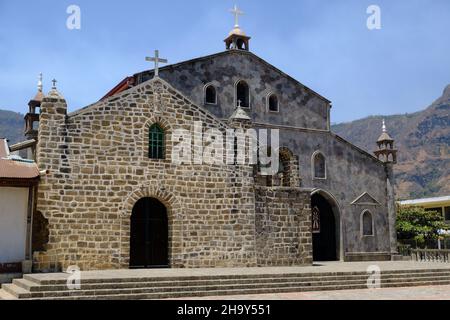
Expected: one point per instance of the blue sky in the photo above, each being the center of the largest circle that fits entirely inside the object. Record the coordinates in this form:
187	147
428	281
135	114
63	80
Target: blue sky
324	44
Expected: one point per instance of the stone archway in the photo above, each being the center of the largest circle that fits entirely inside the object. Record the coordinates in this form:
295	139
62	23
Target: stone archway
174	222
149	235
327	238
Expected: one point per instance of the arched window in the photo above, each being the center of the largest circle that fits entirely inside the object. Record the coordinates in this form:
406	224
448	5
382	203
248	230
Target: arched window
367	223
210	94
272	103
242	94
319	166
156	142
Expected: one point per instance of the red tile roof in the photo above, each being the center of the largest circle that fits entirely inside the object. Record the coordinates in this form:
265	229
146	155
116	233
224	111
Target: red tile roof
15	168
122	86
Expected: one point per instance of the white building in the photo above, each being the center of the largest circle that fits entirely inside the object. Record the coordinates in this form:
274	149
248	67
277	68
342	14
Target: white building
439	204
18	183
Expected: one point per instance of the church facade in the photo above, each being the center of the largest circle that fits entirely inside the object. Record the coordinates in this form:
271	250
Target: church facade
113	198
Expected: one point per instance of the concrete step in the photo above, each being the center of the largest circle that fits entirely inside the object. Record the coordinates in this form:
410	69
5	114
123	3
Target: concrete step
6	296
167	295
110	285
253	277
16	291
133	288
194	293
174	289
37	280
33	287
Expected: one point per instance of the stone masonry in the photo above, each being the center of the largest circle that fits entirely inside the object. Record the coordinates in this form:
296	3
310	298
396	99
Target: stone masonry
218	215
98	169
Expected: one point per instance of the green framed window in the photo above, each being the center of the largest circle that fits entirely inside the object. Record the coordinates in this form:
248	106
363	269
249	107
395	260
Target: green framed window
156	148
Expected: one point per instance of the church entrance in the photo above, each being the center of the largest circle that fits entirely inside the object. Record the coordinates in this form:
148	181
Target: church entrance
323	229
149	235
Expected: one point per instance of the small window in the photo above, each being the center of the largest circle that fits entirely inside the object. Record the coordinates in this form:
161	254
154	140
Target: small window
273	103
156	142
242	94
319	166
210	95
367	224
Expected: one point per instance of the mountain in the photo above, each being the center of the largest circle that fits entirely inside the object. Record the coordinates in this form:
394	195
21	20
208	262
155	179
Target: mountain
422	138
423	143
11	126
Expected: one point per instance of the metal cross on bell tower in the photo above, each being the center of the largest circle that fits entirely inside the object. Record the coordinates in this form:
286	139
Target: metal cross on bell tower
236	12
156	59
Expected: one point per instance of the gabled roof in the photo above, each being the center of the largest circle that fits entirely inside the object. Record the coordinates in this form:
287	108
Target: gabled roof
138	76
240	114
122	86
366	199
385	137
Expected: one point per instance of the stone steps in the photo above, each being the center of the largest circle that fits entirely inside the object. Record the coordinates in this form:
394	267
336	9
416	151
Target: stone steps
172	279
6	296
32	287
180	294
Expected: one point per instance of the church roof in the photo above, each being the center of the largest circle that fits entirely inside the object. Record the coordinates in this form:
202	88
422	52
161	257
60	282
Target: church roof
39	96
145	75
385	137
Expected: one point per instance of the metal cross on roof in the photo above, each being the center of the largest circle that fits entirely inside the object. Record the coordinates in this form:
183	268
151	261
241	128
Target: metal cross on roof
236	12
54	81
156	59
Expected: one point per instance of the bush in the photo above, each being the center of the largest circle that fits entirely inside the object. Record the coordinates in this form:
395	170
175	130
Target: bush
414	223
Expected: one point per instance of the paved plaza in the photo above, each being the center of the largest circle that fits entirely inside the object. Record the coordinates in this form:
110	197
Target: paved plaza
410	293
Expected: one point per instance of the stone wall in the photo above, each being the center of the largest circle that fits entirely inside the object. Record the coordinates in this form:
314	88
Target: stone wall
97	158
283	226
299	106
350	172
99	168
303	121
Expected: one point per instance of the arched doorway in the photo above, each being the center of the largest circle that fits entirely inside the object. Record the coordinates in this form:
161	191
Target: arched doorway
325	230
149	231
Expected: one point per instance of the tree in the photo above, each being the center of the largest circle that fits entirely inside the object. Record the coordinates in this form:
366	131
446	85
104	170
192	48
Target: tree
415	223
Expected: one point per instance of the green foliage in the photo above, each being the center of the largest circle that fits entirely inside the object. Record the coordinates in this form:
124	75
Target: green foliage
415	223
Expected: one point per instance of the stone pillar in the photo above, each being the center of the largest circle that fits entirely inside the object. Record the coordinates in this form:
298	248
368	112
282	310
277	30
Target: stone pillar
391	206
51	156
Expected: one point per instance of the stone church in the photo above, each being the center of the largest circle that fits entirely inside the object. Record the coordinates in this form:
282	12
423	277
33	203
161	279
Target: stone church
113	198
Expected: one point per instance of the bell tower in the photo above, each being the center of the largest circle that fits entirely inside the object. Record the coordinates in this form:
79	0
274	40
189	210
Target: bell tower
33	115
237	39
386	151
